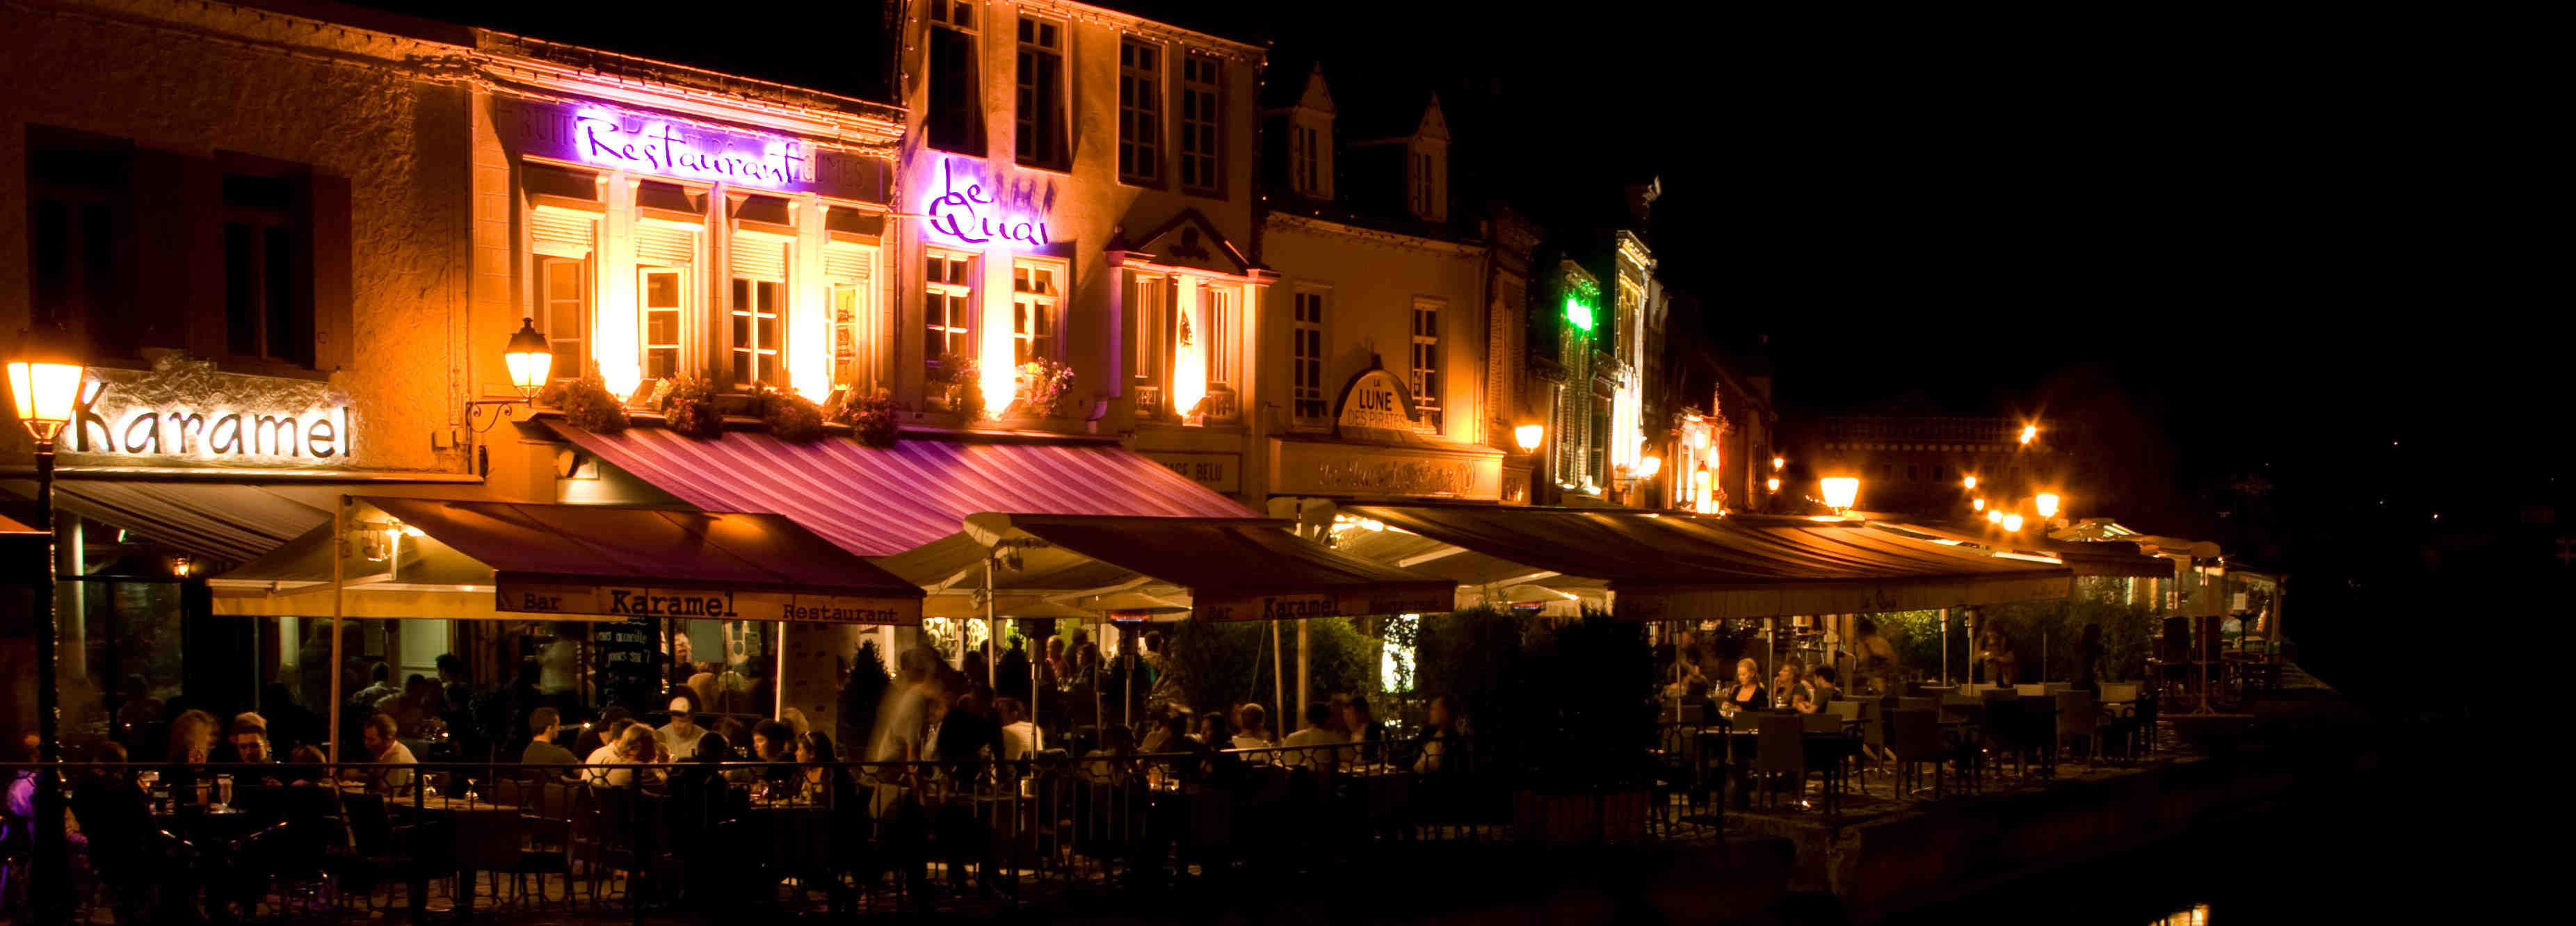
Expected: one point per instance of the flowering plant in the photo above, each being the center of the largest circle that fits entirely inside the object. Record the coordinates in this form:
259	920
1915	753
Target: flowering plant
1042	385
873	419
690	407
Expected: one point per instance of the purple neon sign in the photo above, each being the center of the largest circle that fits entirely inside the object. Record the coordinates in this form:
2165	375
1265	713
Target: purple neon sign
658	147
968	215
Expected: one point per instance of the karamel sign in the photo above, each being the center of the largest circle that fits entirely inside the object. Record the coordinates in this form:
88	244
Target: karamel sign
1385	600
184	413
704	603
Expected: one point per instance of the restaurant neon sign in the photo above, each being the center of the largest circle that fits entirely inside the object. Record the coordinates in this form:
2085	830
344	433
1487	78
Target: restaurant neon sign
972	215
658	147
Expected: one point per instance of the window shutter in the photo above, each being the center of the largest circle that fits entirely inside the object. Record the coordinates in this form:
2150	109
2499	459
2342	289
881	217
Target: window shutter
847	262
556	232
759	257
334	278
663	246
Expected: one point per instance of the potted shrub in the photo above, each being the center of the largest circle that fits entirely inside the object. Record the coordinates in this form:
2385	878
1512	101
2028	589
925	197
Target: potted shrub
691	408
1584	716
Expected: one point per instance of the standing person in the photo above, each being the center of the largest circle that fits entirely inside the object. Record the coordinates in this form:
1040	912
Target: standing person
1996	650
1011	672
1876	662
682	666
1165	687
2088	658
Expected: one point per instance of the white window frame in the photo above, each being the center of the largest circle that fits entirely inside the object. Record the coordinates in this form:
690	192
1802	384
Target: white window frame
1424	375
958	296
1035	309
678	345
747	309
1307	404
570	347
849	325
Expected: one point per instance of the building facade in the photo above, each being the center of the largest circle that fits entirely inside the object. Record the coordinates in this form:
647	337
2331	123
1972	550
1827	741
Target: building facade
1586	354
1389	293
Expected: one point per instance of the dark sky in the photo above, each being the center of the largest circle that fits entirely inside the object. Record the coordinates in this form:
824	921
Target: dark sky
2287	242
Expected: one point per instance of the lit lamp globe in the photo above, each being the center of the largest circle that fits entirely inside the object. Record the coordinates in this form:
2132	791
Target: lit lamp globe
2012	522
1994	515
1772	483
1648	467
1527	436
1778	462
1840	492
2047	503
44	387
529	358
1969	482
1977	505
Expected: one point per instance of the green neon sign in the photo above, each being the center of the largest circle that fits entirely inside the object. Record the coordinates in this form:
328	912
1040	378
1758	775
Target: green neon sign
1579	314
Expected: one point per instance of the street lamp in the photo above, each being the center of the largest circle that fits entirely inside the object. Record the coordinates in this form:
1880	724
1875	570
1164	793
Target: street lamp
1772	483
1840	492
44	384
1527	436
2028	431
1969	482
2047	503
2012	522
529	360
1778	462
1977	505
1994	515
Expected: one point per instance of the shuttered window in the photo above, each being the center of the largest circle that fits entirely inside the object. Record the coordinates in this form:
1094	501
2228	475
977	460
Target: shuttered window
759	257
662	245
848	261
565	233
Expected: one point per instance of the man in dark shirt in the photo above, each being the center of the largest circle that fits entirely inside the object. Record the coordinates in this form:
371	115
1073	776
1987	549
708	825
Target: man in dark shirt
544	723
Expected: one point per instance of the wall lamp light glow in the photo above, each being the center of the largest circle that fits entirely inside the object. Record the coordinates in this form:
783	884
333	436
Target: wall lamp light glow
2047	504
1840	491
1772	483
1994	515
1778	462
1528	436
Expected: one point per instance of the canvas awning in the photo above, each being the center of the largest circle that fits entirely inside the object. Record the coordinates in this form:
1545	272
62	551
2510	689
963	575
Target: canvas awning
2105	558
1689	567
881	502
215	521
507	559
1222	569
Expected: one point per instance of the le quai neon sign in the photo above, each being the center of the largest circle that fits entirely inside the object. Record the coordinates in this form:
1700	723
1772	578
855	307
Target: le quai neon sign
314	433
973	216
656	147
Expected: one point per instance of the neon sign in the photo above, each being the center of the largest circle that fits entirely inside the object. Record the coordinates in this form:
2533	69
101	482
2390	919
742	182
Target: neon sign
964	214
656	147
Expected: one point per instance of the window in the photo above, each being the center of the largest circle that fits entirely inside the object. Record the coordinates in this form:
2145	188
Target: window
949	304
849	314
1423	200
1140	112
1218	301
956	118
1303	157
82	223
663	295
1202	82
1597	464
267	315
1149	345
1306	358
1041	93
754	345
1426	365
563	311
1036	288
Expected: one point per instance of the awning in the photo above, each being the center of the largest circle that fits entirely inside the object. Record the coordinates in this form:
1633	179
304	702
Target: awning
575	561
1226	569
216	521
23	551
1688	567
880	502
2095	558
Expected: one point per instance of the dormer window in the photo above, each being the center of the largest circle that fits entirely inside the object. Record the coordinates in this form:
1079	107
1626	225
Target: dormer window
1424	193
1305	159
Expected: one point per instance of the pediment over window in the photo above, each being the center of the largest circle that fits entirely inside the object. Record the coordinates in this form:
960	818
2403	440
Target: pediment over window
1187	240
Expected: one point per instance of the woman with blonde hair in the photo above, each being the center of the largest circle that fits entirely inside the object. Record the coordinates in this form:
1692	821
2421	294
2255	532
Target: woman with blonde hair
1746	692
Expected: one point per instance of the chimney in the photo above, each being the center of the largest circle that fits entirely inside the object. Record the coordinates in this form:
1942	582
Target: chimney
1641	201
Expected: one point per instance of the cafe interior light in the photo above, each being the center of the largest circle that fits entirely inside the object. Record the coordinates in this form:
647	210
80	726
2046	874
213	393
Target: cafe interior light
1840	491
2012	522
2047	504
1527	436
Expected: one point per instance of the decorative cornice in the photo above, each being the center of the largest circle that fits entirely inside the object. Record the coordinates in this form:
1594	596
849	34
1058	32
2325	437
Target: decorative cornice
548	67
1240	52
1293	221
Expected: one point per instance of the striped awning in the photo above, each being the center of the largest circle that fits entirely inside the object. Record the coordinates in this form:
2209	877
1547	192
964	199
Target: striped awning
879	502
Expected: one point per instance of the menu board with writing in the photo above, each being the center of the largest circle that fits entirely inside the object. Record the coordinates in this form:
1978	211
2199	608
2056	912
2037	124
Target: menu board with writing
630	667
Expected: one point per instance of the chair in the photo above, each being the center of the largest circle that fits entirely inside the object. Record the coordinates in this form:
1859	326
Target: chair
1914	735
2076	721
1780	748
545	815
2117	716
485	840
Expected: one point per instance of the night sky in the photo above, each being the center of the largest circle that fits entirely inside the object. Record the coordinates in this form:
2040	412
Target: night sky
2293	249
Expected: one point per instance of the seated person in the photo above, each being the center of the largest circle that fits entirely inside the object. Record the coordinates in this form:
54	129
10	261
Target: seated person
1256	730
634	746
393	775
1310	746
543	725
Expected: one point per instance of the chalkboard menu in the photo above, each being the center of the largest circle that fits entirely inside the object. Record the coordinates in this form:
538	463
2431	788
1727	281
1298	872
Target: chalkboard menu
629	663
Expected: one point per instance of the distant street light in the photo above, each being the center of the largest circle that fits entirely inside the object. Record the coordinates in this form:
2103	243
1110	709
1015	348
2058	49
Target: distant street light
1994	515
2047	503
1978	505
1772	483
2029	431
2012	522
1969	482
1779	462
1840	492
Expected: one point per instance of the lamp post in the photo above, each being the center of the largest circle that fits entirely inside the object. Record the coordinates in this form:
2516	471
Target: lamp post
44	384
